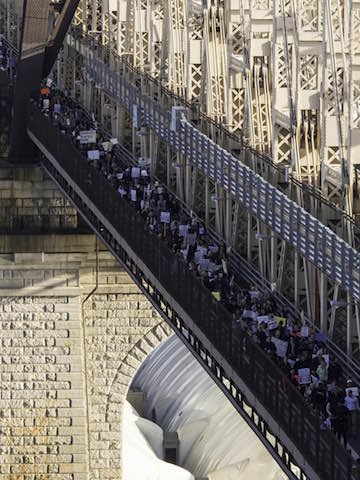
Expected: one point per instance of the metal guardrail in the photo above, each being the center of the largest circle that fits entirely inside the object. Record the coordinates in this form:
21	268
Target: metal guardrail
315	449
307	190
315	242
239	266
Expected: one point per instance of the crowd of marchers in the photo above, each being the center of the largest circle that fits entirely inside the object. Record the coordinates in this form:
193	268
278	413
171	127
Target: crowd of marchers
300	352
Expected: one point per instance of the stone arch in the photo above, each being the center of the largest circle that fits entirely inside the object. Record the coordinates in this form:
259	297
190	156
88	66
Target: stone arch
130	364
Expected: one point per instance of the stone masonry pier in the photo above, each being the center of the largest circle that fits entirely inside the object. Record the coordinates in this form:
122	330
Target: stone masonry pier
67	358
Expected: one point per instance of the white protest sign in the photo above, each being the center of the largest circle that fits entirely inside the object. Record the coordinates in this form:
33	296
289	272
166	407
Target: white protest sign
144	173
183	230
254	294
135	172
201	230
203	264
144	161
93	154
165	217
249	314
272	324
57	108
87	136
304	331
46	103
263	319
355	391
304	376
281	347
114	141
133	195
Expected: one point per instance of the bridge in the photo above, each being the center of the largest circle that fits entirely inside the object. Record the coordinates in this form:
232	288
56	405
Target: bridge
279	224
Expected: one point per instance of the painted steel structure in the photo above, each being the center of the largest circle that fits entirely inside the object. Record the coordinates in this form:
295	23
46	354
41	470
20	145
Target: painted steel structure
276	85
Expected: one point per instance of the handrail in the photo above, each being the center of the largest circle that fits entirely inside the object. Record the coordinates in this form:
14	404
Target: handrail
194	106
280	400
315	242
238	264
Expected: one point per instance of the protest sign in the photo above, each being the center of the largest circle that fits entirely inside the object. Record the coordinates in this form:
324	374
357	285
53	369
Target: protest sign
87	136
93	154
304	331
133	195
355	391
45	91
249	314
281	347
262	319
273	325
144	173
48	82
107	146
304	376
46	104
57	108
135	172
114	141
120	176
183	230
165	217
281	320
254	294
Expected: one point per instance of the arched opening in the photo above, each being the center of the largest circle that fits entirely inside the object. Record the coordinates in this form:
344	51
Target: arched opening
175	395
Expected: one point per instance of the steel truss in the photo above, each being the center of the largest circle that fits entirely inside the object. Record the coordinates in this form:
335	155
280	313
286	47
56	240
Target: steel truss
249	66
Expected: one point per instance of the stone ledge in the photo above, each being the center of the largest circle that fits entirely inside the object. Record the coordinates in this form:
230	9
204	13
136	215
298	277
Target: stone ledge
41	292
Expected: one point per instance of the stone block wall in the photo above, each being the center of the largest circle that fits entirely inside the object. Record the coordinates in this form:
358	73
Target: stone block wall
67	362
30	202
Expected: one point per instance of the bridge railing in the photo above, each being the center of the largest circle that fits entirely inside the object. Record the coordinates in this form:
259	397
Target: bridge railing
272	388
308	235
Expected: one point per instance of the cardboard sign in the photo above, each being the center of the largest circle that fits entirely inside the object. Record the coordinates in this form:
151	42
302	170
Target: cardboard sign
355	391
165	217
304	376
281	321
281	347
45	91
87	136
93	154
304	331
135	172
